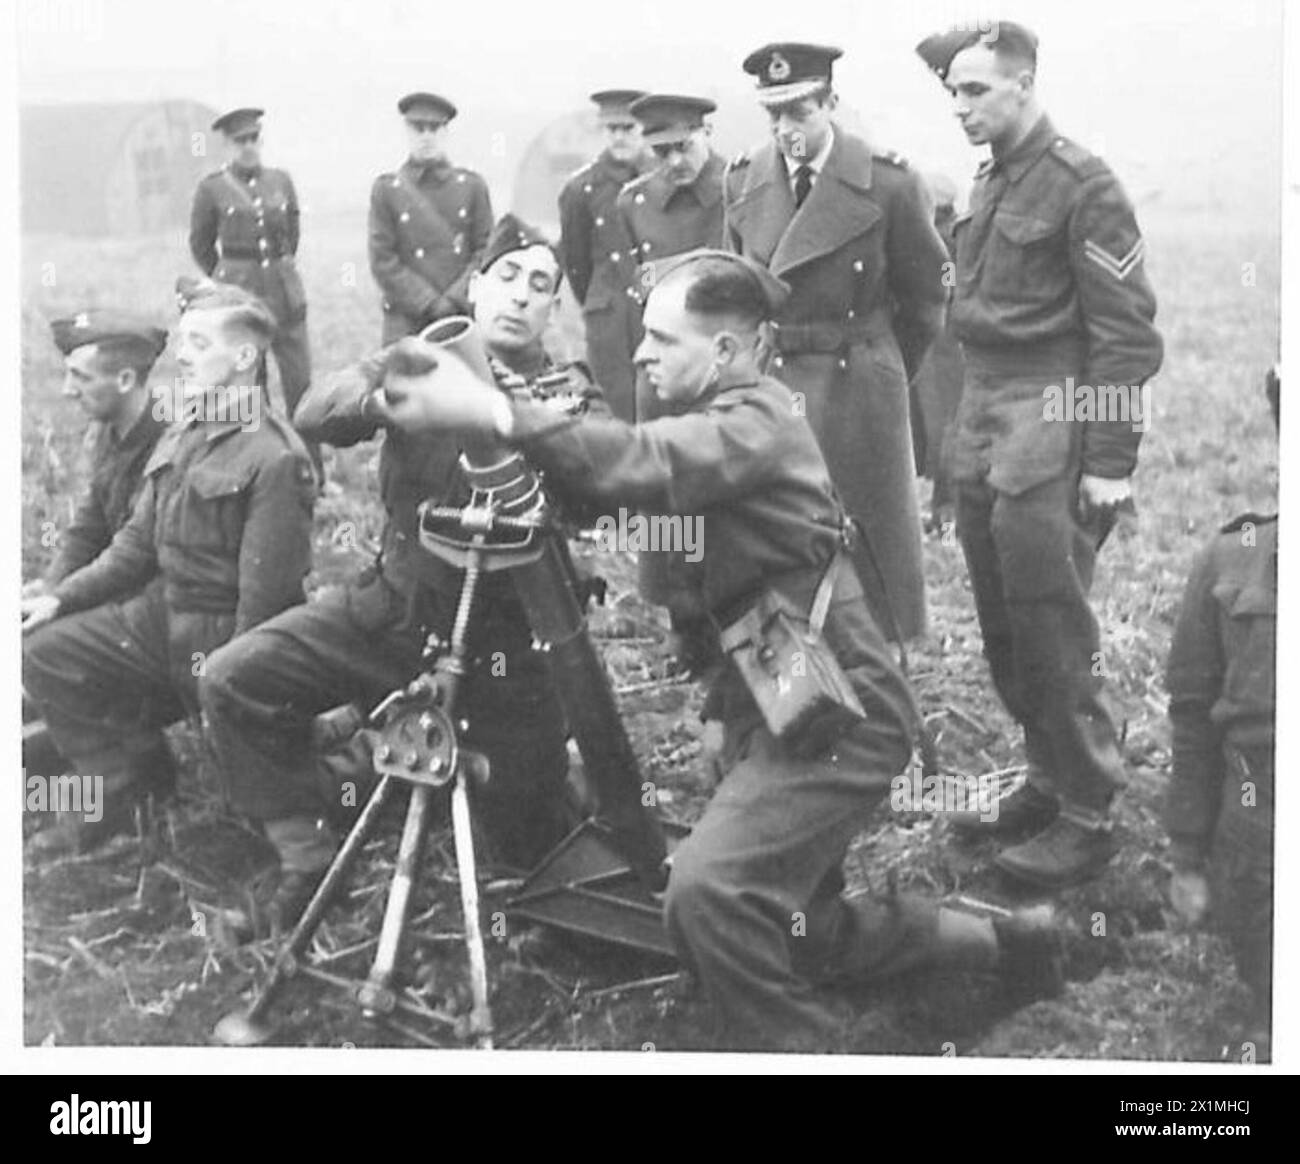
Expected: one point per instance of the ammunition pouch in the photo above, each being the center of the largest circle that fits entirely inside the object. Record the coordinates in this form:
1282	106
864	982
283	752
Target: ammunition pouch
806	700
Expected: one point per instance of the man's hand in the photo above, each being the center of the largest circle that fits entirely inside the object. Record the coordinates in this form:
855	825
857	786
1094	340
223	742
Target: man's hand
1189	894
38	610
1104	495
431	388
35	587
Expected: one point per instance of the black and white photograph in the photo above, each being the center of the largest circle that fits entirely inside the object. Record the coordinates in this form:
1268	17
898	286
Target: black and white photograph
746	534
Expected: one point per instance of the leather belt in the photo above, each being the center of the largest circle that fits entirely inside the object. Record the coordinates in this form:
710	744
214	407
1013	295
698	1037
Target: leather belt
797	338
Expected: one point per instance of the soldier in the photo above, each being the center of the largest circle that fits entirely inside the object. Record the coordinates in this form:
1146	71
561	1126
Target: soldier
1051	294
244	230
359	643
936	388
1222	706
429	223
753	901
219	540
107	359
850	229
677	206
598	253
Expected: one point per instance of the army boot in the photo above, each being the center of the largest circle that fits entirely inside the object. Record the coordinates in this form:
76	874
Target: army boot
1021	812
306	847
1030	955
1024	811
122	791
1067	852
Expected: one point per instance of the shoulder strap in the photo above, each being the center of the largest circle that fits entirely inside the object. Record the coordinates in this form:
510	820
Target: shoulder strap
822	599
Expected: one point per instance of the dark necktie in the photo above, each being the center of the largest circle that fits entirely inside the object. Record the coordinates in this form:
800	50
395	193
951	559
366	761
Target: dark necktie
803	177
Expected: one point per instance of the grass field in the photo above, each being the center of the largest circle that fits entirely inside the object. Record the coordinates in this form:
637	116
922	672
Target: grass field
106	966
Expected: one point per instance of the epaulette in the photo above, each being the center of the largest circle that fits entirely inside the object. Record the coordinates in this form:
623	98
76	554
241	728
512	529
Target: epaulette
1083	162
1238	523
891	156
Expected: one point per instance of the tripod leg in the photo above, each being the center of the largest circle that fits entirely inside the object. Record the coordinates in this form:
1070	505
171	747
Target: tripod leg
481	1016
376	996
246	1028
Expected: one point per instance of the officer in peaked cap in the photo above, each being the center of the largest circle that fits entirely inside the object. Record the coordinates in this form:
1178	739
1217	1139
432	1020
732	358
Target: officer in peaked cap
678	205
1050	290
849	228
598	254
675	207
429	222
244	229
108	356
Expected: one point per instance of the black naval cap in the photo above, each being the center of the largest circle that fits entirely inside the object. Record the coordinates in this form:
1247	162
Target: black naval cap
774	291
239	121
938	50
513	234
791	71
615	105
427	103
115	328
669	117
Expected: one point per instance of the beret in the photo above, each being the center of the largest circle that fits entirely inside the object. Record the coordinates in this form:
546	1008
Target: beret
103	326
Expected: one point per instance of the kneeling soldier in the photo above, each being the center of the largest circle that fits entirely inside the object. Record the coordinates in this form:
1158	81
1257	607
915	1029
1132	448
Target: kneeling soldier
753	900
1223	706
219	540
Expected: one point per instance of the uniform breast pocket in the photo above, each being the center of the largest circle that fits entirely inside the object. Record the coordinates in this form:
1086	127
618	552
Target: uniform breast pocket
209	509
1028	257
1252	624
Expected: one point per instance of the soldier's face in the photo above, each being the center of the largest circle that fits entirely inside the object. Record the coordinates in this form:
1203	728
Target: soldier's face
989	96
245	148
678	359
427	138
801	128
513	299
681	161
89	380
623	140
209	355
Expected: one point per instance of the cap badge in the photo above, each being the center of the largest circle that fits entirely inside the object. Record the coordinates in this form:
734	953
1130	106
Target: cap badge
82	320
778	68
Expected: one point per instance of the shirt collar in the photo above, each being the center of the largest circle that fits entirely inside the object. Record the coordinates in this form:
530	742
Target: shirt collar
1035	144
243	173
815	164
419	170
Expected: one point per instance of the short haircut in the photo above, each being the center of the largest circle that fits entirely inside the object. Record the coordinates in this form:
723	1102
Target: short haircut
721	288
242	311
118	352
1013	44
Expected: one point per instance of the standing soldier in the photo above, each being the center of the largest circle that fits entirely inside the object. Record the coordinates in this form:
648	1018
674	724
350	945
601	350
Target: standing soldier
429	224
677	206
219	540
1050	292
244	230
107	358
850	229
598	253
